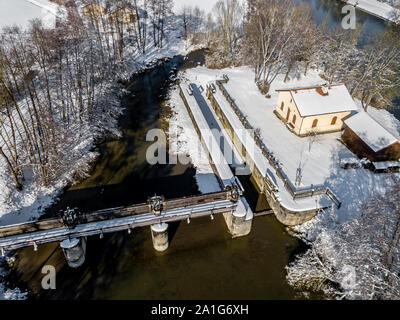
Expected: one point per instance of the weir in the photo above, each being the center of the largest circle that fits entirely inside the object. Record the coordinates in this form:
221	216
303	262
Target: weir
72	228
290	206
239	221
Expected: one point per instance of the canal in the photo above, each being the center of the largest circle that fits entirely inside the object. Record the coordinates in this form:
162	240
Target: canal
202	262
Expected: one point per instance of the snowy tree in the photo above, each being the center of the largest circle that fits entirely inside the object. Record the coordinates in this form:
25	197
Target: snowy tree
358	259
275	37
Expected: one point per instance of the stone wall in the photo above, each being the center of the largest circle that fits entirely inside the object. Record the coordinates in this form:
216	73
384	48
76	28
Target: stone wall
284	215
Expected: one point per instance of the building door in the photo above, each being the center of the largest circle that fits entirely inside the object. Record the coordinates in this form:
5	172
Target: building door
288	114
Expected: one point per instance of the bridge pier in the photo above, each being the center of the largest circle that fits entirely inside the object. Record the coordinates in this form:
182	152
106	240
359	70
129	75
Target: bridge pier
239	222
74	251
159	234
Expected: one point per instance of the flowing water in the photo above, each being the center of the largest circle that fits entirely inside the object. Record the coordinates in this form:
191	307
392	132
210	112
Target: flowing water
202	262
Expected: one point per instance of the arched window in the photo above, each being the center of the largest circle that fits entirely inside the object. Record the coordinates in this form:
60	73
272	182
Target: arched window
315	122
282	105
294	119
333	120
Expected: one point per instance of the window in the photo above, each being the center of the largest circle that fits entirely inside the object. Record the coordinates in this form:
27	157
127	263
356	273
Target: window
315	122
333	121
282	105
294	119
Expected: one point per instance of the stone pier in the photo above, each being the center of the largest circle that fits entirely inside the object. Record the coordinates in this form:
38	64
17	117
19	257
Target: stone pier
74	250
159	234
239	222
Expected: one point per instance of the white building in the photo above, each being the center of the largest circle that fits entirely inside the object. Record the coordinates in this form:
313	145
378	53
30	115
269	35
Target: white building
316	109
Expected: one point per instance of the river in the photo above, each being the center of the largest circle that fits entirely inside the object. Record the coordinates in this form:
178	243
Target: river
202	262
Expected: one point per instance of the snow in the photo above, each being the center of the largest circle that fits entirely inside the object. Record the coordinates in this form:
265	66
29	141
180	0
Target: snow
159	227
376	8
201	76
309	102
211	139
208	138
21	12
386	165
19	207
118	224
9	294
370	131
205	5
319	160
183	140
69	243
174	46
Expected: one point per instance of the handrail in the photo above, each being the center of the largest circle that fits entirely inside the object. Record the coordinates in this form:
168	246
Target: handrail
113	213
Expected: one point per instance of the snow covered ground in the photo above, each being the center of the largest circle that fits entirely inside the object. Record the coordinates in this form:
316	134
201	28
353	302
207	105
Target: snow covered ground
376	8
184	140
21	12
320	161
10	294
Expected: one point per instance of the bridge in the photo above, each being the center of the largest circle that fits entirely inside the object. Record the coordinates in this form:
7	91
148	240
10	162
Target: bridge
71	228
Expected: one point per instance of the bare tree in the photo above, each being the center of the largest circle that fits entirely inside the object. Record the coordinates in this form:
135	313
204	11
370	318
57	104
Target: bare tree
275	33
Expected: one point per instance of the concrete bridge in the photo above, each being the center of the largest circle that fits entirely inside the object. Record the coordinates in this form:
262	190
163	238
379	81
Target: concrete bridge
72	228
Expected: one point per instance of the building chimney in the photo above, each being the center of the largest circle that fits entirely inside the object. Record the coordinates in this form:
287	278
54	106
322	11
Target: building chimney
323	90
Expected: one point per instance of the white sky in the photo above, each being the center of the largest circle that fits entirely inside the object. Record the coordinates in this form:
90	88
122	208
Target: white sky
206	5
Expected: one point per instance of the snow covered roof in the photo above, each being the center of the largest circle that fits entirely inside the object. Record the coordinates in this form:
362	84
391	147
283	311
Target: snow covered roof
322	99
21	12
370	131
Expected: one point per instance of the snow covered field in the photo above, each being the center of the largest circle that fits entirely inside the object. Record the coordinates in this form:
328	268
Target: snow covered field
21	12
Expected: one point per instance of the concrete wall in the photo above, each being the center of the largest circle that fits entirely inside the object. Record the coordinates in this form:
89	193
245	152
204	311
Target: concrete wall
303	125
284	215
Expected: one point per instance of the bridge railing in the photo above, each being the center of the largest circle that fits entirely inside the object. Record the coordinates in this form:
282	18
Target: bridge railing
113	213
